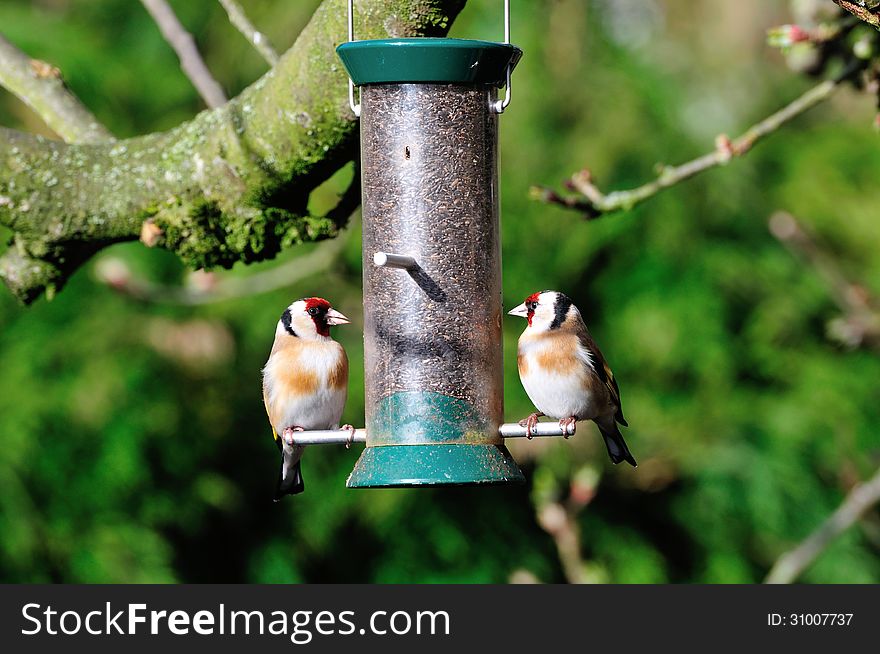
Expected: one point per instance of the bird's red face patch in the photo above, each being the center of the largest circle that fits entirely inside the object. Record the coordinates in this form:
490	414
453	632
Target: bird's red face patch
317	308
531	305
318	303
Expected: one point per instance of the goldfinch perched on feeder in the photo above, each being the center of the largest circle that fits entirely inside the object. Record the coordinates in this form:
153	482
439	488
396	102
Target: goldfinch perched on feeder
305	382
564	373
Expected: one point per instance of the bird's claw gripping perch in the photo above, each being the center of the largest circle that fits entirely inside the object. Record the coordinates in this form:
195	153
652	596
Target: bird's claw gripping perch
287	434
568	427
529	423
350	429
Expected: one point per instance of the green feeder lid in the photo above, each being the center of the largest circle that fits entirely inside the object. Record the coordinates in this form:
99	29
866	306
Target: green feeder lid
425	60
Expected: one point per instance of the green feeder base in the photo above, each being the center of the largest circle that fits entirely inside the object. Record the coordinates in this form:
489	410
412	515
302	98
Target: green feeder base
389	466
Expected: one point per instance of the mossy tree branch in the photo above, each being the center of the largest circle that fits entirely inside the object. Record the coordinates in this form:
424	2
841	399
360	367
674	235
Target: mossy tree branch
230	185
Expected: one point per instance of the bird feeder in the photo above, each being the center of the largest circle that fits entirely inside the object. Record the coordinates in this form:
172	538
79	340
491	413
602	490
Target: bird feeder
428	113
432	265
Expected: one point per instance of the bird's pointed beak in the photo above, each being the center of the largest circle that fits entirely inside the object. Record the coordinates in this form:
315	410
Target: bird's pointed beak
336	318
520	311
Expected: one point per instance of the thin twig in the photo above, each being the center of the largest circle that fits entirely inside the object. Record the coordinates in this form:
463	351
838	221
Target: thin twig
185	46
559	518
860	323
593	203
257	39
861	12
561	523
41	87
208	288
791	564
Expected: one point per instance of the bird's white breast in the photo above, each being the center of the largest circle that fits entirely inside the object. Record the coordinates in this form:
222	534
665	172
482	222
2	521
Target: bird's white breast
558	391
302	385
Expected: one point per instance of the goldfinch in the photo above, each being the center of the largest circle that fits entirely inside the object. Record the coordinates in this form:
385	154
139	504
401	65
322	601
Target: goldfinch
564	373
305	382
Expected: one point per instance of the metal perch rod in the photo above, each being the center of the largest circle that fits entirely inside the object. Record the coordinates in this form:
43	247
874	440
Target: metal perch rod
516	430
329	437
390	260
341	436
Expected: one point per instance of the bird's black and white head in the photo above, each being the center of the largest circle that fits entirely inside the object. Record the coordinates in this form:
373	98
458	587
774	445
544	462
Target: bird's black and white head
309	318
547	310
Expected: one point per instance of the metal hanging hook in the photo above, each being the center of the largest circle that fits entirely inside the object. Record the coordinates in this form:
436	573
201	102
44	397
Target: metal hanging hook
355	107
498	106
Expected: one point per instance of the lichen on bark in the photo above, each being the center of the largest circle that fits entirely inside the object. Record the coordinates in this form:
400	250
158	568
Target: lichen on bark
231	185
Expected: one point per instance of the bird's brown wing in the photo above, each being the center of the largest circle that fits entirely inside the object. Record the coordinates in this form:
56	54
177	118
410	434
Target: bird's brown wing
602	369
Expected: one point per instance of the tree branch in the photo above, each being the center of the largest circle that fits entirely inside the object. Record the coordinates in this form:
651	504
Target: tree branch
40	86
561	523
208	288
185	46
593	203
863	10
860	323
559	518
257	39
790	565
230	185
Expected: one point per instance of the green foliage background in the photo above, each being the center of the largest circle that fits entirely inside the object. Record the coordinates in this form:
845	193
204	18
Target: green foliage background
133	442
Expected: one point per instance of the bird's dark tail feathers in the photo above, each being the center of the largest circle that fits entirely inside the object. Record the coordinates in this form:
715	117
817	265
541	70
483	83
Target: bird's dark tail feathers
617	449
290	481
